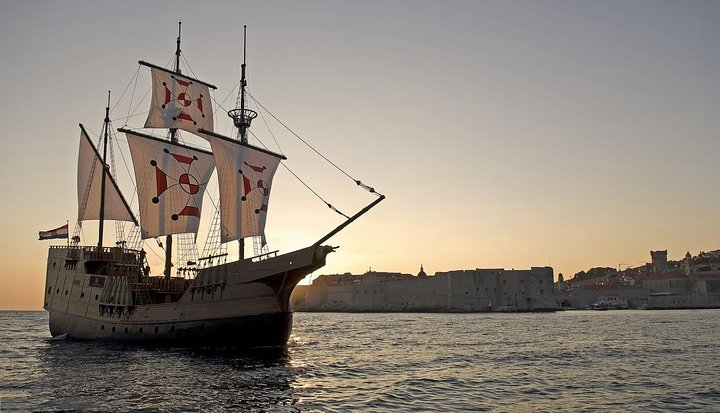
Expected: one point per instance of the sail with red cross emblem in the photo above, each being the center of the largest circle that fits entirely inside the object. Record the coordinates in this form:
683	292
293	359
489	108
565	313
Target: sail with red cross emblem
179	101
171	181
245	175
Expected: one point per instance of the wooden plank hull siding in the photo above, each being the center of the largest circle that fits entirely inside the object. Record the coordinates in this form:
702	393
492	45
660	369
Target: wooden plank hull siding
243	303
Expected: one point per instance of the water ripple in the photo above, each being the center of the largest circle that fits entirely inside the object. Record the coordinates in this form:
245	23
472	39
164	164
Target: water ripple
574	362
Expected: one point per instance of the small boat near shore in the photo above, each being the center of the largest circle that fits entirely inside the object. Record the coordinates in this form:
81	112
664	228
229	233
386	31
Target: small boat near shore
605	303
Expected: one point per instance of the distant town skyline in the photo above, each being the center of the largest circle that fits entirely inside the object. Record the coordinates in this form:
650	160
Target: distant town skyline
568	134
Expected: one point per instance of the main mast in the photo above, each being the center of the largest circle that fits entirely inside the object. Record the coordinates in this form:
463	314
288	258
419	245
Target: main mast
173	139
242	117
106	127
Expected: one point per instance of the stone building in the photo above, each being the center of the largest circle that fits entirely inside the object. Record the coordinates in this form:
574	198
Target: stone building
659	261
453	291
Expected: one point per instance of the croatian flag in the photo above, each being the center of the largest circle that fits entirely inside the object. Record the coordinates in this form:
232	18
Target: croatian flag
61	232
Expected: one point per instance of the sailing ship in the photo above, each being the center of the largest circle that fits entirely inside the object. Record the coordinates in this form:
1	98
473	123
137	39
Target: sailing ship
107	292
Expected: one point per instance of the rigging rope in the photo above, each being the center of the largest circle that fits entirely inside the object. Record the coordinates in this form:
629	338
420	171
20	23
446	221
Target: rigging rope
269	130
357	181
301	181
132	96
192	72
135	76
133	113
220	104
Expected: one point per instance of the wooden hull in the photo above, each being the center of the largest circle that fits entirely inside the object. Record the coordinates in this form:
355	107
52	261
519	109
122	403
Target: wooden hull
96	294
263	330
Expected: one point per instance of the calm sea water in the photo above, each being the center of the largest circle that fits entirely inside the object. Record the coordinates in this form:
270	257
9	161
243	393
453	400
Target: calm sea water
567	361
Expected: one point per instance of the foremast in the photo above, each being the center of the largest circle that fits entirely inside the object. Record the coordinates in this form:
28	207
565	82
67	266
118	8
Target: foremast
242	117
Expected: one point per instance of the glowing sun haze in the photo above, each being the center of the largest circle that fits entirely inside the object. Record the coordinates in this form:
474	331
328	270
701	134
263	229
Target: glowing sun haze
504	134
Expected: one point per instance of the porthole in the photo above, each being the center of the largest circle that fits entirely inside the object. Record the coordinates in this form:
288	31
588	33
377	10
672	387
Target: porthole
126	329
113	330
102	327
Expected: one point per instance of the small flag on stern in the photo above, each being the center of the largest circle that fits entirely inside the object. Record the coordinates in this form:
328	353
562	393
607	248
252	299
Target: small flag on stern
61	232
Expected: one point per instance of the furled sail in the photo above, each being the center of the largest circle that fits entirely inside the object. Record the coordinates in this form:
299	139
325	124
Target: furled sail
179	101
245	175
90	174
171	181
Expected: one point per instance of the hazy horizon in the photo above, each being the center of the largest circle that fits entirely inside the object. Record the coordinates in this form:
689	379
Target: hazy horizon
504	134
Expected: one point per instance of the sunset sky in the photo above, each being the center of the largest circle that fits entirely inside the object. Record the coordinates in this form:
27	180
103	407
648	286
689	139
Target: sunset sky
504	134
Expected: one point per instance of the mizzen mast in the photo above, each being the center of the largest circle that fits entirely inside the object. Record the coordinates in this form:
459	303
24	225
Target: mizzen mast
106	128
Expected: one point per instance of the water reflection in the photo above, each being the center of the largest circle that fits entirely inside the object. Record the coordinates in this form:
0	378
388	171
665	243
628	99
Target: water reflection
640	360
88	376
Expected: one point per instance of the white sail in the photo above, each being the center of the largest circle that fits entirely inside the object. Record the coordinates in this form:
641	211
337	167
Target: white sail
245	175
89	184
171	181
179	102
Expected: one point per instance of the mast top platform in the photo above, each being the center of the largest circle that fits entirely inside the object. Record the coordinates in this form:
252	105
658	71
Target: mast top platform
242	117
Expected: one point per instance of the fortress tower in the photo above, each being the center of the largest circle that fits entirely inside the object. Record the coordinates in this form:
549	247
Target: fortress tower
659	261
